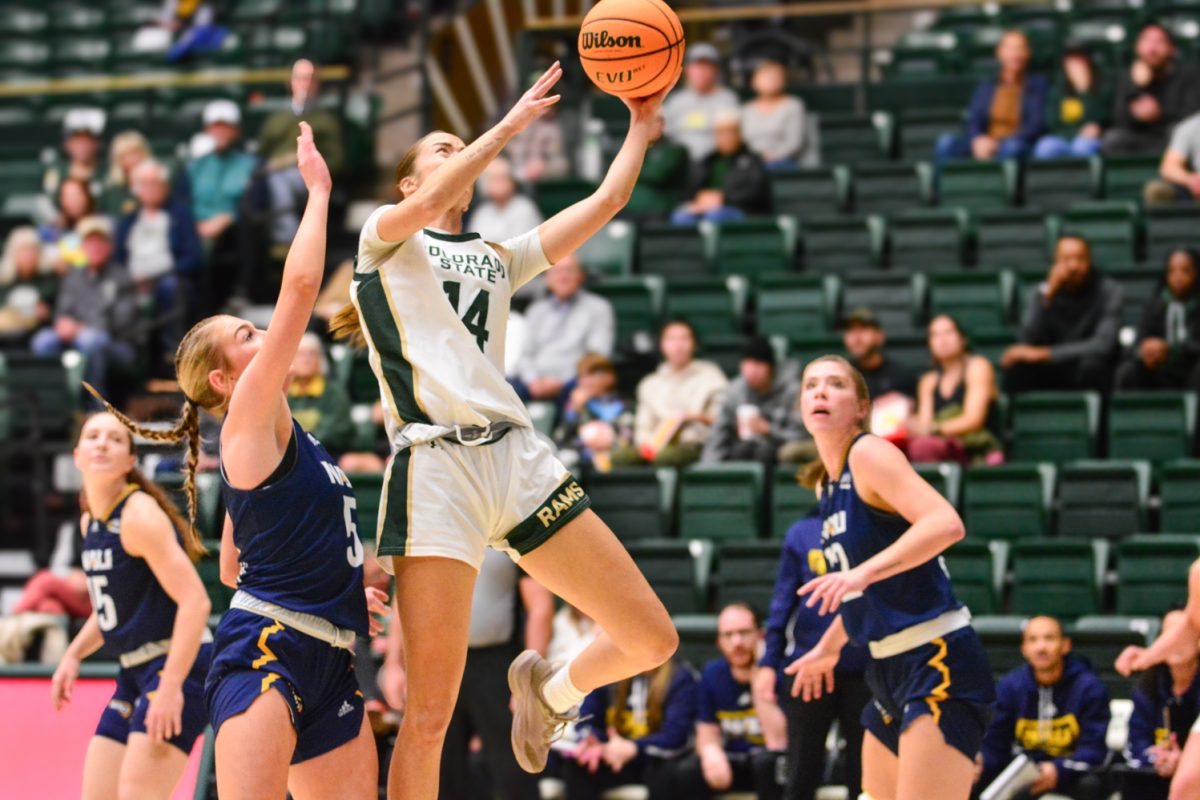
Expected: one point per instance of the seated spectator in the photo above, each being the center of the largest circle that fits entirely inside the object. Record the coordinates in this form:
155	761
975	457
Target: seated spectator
1168	343
662	183
864	340
759	419
128	151
50	592
1166	703
82	132
1055	711
730	749
277	147
1007	113
632	730
954	401
677	403
322	407
1153	95
773	123
1069	335
95	311
538	152
596	420
504	209
1080	105
75	202
793	628
219	178
27	285
1179	176
194	24
691	112
731	183
561	329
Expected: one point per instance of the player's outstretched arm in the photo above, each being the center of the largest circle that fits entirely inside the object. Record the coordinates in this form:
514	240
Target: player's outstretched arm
447	185
1135	659
563	233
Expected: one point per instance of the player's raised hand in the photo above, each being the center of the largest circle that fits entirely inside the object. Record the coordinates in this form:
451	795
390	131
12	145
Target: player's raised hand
63	682
535	101
645	109
310	162
1131	660
830	589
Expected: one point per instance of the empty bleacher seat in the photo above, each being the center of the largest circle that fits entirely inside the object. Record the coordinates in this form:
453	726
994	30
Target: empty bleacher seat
854	138
673	251
1100	639
610	251
1152	571
977	569
637	304
1111	229
815	192
1055	426
678	570
1139	286
722	501
978	185
898	301
1062	578
746	574
842	244
928	240
636	502
754	247
1001	637
981	303
891	188
1157	426
1169	228
790	502
946	477
1102	499
697	638
1180	501
40	394
1124	177
788	304
1006	239
918	129
1056	184
1009	501
715	307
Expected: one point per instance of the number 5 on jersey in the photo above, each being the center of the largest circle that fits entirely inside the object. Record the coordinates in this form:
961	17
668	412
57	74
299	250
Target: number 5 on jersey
354	553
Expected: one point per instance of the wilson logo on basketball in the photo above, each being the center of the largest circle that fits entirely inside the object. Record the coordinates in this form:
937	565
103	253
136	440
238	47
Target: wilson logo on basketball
605	39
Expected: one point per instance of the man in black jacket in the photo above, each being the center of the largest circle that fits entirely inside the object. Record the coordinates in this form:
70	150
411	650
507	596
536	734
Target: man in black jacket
1168	346
732	182
1152	96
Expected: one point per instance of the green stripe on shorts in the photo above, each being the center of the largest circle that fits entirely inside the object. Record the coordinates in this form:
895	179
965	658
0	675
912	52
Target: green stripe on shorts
393	529
564	504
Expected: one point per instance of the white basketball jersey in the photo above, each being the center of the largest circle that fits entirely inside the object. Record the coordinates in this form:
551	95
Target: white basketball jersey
434	310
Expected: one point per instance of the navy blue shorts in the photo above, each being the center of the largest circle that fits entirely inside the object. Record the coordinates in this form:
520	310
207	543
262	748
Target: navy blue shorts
126	711
949	679
316	680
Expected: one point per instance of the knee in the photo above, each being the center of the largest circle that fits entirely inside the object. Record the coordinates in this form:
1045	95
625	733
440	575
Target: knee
657	641
91	340
1185	786
425	723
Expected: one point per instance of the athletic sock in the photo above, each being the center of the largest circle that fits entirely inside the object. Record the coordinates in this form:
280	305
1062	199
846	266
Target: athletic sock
560	693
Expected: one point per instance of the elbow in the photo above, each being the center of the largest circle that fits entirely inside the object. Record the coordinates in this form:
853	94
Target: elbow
612	201
954	530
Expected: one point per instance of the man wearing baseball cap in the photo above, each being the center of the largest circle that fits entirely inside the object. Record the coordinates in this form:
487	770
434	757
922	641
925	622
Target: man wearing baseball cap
864	338
691	111
83	129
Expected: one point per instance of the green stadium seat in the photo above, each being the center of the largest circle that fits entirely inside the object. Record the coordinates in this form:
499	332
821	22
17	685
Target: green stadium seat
555	194
78	19
6	411
755	247
1157	426
722	501
746	574
946	477
1062	578
978	185
1009	501
842	244
839	98
1124	177
919	54
898	301
804	347
544	415
636	502
25	22
965	18
679	571
725	351
1169	228
697	638
790	502
1100	639
805	193
610	252
791	304
1152	571
1111	228
673	251
84	52
368	493
855	138
918	129
1102	499
20	176
26	54
1105	41
891	188
977	569
925	240
1140	285
1001	637
979	302
1055	184
1006	239
637	304
40	392
715	307
898	96
1055	426
256	10
1180	502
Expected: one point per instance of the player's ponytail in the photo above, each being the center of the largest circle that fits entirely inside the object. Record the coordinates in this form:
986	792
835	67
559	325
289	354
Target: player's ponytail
813	474
187	430
345	324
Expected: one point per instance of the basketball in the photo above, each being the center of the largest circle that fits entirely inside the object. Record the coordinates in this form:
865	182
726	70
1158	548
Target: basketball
631	48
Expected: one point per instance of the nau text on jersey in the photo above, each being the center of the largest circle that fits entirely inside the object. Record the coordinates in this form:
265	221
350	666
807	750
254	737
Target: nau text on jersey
336	476
486	267
555	506
97	560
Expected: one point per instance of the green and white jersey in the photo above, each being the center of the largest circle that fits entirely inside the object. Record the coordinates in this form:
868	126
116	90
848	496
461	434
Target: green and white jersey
434	310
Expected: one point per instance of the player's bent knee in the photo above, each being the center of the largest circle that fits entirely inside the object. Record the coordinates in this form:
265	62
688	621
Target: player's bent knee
657	641
1185	785
427	723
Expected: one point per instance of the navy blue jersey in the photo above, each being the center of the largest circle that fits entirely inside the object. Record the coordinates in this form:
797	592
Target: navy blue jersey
724	701
298	538
851	533
130	605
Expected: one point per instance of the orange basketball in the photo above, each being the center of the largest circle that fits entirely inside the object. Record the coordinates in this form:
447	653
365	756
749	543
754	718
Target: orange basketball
631	48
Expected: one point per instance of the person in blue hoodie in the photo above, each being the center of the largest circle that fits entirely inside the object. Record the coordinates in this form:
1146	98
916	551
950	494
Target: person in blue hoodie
1166	703
792	630
1055	711
631	733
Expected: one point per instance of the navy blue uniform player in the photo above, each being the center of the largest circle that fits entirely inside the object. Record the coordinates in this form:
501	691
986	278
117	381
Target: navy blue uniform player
884	530
150	613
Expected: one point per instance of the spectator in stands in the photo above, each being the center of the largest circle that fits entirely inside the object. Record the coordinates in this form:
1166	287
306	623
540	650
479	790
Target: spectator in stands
662	183
128	151
773	123
1168	344
75	202
96	309
1154	94
368	460
321	406
1054	709
677	403
1080	104
954	402
277	147
195	24
691	112
1166	703
219	178
1069	335
730	749
504	209
51	592
82	132
632	731
596	419
864	340
1007	113
759	420
561	329
1179	177
792	630
27	284
731	183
